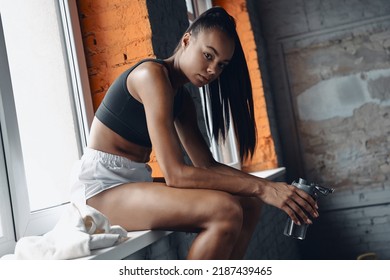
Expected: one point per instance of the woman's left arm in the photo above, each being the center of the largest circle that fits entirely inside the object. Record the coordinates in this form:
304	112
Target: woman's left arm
278	194
193	142
195	145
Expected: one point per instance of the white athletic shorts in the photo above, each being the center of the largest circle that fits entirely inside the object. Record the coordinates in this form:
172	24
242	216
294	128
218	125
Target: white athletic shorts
98	171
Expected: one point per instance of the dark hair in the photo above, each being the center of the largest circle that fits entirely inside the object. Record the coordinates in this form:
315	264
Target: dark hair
232	88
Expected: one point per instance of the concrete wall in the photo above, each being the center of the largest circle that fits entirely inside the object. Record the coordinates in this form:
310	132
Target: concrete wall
329	69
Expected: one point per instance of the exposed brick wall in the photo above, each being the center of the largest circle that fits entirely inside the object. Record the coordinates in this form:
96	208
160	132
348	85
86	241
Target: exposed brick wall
265	155
115	34
348	233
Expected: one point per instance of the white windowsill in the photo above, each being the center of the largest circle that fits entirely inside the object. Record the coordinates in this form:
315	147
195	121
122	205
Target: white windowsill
137	240
270	174
140	239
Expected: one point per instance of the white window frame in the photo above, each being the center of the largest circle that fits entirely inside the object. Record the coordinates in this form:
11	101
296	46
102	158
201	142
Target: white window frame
7	238
77	67
39	222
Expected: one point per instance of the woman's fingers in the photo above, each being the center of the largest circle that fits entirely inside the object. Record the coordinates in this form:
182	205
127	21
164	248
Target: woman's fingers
291	214
302	216
295	202
303	205
307	203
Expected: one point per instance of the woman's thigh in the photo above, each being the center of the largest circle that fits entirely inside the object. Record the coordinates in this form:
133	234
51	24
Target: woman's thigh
141	206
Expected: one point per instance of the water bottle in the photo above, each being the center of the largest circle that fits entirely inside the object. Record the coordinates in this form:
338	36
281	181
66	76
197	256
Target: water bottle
299	231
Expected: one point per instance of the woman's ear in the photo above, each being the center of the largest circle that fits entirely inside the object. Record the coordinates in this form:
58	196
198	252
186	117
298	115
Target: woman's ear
185	39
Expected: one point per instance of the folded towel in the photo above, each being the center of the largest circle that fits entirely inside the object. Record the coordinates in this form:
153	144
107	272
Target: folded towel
80	230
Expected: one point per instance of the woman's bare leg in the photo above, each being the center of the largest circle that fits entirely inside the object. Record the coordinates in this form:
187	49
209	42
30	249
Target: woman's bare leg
251	210
216	215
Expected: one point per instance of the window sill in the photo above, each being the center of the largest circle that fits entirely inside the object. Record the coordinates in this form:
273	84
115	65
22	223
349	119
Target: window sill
137	240
270	174
140	239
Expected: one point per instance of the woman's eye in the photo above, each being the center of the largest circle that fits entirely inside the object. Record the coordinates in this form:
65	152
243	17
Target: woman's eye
208	56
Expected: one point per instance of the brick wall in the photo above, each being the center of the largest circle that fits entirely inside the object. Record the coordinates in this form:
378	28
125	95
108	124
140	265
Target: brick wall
115	34
348	233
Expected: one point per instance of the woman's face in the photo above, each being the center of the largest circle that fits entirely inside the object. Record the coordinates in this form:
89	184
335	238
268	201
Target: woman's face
206	55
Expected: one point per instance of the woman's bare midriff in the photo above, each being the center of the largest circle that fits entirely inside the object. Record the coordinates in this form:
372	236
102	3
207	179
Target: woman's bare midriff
104	139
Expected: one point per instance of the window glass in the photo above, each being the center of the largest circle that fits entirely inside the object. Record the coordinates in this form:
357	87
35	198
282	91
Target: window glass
43	102
45	113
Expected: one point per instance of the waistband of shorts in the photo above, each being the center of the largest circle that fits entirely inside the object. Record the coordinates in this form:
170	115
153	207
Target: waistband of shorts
92	154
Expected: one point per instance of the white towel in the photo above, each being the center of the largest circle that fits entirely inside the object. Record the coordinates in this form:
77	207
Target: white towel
80	230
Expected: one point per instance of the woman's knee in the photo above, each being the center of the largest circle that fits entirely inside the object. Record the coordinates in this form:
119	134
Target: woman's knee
227	212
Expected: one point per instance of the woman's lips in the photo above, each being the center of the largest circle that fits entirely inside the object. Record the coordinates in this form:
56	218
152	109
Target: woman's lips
203	79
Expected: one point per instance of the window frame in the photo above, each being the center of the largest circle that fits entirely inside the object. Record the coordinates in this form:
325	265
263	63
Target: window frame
77	67
25	222
7	238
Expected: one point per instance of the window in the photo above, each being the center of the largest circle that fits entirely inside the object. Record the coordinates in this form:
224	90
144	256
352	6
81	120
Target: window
46	117
7	237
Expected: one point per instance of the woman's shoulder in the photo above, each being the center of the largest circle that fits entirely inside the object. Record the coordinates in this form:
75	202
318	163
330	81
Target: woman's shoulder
149	76
149	70
152	66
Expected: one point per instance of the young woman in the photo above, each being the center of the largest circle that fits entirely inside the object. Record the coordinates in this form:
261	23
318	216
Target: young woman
148	106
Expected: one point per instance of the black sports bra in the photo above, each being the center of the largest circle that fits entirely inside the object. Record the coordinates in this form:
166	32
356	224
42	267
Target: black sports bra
124	114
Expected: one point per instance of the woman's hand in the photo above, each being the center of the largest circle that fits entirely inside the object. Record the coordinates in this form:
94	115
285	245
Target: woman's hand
295	202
